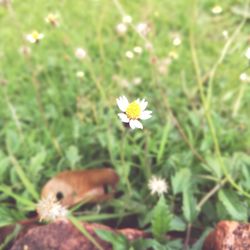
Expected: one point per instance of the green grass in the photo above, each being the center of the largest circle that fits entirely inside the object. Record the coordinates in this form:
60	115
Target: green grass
199	134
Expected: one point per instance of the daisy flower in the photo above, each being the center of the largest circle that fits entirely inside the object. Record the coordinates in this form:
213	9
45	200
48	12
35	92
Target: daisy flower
34	37
157	185
52	19
133	112
49	209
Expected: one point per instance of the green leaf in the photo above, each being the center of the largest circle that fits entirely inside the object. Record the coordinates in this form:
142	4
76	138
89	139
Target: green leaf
181	181
161	219
118	241
177	224
234	206
189	206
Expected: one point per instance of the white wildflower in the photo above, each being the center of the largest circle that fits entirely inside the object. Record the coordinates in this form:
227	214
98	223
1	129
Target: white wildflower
157	185
49	209
80	74
133	112
244	77
247	54
52	19
217	9
142	28
127	19
129	54
34	37
80	53
121	29
137	50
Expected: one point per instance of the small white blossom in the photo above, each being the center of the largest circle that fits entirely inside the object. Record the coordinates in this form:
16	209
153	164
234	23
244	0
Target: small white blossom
129	54
127	19
176	41
142	28
80	53
133	112
49	209
149	46
52	19
121	29
247	54
225	34
244	77
137	50
217	9
34	37
157	185
80	74
137	81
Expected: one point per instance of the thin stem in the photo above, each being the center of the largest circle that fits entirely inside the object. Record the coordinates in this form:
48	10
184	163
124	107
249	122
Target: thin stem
210	194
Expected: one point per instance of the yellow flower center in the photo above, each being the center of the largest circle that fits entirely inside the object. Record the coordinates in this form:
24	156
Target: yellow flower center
133	110
35	35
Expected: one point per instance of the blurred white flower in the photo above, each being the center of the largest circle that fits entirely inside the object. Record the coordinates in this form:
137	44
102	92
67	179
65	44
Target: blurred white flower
80	53
137	50
53	19
121	29
34	37
137	81
129	54
225	34
49	209
157	185
25	51
127	19
247	54
80	74
244	77
149	46
142	28
176	41
133	112
173	55
217	9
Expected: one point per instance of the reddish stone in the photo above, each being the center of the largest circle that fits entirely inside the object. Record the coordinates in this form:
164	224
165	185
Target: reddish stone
229	235
62	235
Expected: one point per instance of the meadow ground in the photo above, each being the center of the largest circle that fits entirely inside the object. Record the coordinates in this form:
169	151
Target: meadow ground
58	109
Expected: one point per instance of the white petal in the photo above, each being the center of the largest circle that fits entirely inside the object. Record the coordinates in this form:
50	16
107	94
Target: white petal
143	104
122	103
123	117
138	124
146	115
30	39
132	124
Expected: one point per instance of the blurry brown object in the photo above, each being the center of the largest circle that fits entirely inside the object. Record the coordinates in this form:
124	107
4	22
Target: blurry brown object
91	185
229	235
62	235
